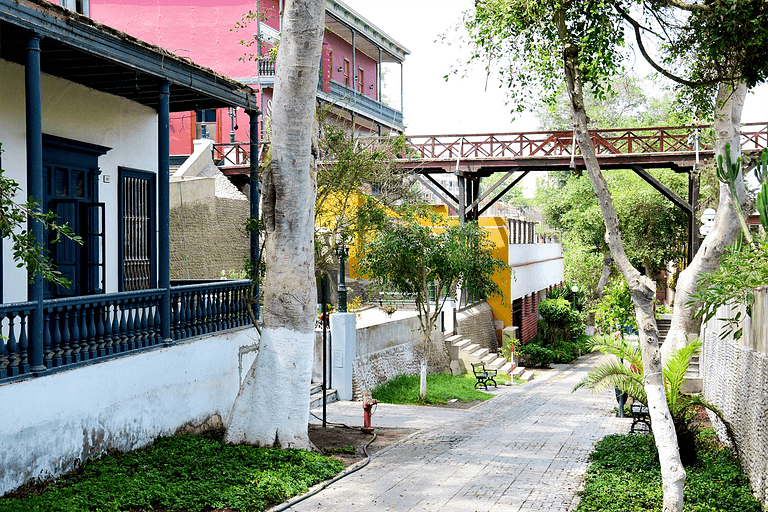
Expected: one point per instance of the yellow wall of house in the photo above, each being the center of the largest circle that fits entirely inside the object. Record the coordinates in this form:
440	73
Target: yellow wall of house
496	227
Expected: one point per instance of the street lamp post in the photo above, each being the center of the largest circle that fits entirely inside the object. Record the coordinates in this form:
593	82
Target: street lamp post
341	252
232	124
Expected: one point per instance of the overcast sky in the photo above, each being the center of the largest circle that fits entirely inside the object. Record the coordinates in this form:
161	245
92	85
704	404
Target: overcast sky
459	106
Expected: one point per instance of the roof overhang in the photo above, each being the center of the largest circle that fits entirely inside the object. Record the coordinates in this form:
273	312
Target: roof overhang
342	20
76	48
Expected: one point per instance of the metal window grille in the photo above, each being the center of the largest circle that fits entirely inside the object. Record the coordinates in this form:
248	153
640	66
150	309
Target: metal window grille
137	229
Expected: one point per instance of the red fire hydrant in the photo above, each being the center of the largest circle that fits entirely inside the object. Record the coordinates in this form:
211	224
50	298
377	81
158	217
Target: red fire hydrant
368	403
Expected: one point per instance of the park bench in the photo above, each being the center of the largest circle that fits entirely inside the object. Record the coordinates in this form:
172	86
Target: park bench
640	416
484	376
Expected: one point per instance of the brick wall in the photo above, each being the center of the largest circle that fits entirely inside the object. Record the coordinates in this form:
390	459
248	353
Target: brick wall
476	323
208	236
530	317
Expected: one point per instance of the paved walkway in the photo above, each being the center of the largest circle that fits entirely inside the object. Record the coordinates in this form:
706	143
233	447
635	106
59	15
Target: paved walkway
525	450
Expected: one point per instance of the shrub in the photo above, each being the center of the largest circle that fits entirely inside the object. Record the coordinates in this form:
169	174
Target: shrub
535	355
624	475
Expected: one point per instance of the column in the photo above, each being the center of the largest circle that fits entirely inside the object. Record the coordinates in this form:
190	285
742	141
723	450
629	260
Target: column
34	121
254	197
163	209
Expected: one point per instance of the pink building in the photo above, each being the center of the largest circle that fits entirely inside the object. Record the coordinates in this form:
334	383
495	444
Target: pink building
205	32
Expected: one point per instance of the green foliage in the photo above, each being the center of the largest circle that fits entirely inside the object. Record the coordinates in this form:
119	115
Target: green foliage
652	228
27	251
404	389
190	473
761	203
561	319
742	269
625	476
626	373
408	257
615	311
540	352
628	103
518	40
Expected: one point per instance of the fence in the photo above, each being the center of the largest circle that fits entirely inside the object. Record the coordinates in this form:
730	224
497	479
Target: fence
91	328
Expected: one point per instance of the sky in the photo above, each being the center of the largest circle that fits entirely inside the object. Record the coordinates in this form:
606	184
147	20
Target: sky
460	105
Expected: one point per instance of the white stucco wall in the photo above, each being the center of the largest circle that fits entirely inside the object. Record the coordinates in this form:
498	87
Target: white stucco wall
536	266
75	112
121	404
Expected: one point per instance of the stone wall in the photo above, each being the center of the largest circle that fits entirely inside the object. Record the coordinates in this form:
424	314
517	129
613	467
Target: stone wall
372	369
208	236
736	380
475	322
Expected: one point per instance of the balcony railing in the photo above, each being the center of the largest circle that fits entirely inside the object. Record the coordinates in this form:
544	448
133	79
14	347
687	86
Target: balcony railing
348	98
95	328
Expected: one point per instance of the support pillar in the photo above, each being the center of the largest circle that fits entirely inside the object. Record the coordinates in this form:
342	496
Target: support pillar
34	122
163	209
355	78
462	198
254	199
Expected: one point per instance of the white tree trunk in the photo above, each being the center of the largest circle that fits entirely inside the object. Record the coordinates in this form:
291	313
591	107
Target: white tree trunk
272	407
423	379
684	327
641	287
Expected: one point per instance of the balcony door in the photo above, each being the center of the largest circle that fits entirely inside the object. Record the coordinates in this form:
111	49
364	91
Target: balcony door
71	178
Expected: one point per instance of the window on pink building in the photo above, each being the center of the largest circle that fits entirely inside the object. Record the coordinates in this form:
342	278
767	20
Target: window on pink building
346	72
360	80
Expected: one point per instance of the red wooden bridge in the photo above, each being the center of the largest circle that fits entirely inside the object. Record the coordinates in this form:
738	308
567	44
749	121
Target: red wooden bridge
474	157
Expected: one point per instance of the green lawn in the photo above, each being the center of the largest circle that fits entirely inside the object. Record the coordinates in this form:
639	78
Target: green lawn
404	389
185	473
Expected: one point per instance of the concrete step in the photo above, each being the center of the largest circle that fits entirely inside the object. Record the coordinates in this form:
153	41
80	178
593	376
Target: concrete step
497	363
517	372
486	360
471	347
506	367
453	338
316	399
477	355
462	344
527	376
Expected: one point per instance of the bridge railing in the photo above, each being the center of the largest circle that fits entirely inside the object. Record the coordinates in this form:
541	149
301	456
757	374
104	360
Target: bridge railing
666	139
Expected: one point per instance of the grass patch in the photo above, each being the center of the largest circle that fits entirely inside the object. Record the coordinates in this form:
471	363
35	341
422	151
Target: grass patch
404	389
625	477
181	473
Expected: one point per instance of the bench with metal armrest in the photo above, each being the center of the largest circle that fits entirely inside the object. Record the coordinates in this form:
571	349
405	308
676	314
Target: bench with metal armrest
483	375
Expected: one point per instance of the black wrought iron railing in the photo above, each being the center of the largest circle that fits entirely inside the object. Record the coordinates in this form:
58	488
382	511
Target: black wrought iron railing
79	330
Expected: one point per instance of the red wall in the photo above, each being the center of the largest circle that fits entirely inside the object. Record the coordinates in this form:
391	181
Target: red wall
343	50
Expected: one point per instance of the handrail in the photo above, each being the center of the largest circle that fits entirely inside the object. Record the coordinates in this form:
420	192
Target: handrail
93	328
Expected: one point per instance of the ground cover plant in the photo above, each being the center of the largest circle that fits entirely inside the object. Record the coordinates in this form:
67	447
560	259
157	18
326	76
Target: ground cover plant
404	389
625	476
181	473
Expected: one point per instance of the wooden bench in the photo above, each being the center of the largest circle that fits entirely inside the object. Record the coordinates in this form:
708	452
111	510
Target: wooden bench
483	375
640	416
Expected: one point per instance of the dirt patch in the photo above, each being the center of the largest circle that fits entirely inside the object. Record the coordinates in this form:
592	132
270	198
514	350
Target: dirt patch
346	444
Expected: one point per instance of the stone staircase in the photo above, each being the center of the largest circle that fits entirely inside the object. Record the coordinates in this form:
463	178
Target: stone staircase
316	395
693	380
464	352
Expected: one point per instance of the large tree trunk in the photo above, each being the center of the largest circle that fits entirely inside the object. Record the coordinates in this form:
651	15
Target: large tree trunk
684	327
272	407
641	287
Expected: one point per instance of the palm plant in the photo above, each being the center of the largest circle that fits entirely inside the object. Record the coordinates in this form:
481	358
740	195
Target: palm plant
626	374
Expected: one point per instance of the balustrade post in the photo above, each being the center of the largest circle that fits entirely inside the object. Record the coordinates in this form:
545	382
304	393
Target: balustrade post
48	349
3	358
98	311
13	348
108	339
90	322
23	343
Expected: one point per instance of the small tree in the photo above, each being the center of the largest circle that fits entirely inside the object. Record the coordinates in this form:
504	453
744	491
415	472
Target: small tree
27	251
409	257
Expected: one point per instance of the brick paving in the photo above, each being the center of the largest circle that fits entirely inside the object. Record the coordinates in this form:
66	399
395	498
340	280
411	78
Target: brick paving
525	450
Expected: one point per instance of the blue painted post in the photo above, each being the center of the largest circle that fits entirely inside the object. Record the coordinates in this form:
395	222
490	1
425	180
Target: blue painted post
163	209
254	183
34	120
